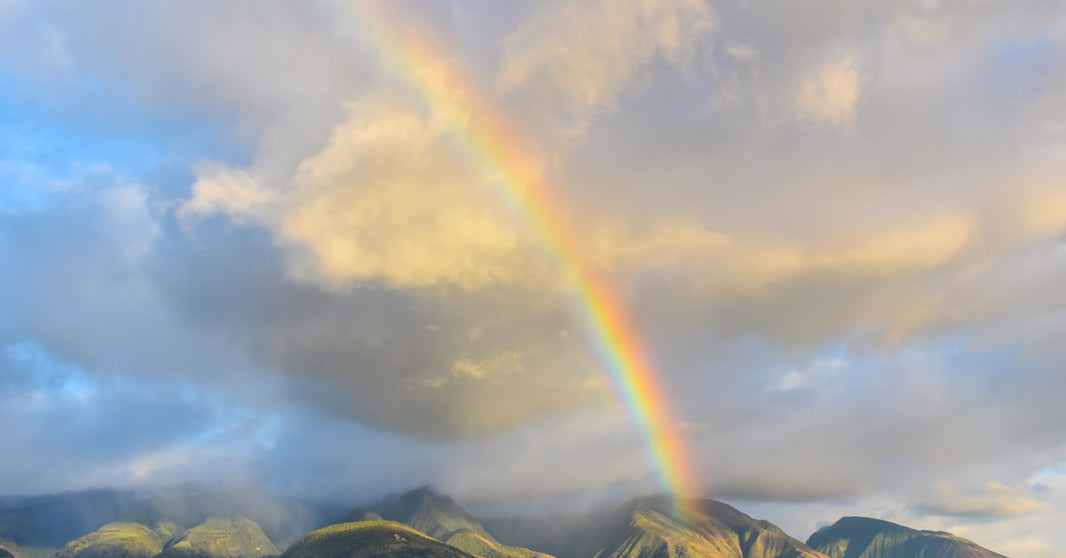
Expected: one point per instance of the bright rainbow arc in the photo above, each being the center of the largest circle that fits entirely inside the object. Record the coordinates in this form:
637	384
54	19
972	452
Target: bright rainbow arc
495	140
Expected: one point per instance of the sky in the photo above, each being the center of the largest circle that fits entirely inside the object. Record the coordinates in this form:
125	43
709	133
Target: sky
250	242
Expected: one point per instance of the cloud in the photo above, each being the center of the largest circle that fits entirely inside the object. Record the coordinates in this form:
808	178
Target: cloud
504	363
590	53
994	500
831	95
389	199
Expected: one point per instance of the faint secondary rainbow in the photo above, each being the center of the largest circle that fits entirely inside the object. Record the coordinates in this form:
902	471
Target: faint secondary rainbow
493	138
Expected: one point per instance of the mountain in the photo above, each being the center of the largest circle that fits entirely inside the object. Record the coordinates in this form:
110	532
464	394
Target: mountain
715	529
370	539
218	537
53	520
440	517
48	522
864	537
9	549
115	540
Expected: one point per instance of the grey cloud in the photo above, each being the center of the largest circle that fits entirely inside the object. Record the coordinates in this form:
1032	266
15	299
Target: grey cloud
377	355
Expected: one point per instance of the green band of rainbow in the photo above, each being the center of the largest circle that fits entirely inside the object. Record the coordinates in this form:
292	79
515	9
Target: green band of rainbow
495	140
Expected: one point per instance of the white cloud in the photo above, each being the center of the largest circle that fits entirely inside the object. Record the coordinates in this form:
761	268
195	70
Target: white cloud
389	199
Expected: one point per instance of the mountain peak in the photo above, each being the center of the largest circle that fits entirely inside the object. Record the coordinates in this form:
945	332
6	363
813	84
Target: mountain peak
440	517
867	537
430	512
378	539
712	528
221	537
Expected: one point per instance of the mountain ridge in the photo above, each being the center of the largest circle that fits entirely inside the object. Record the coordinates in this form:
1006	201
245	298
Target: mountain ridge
641	527
439	516
867	537
712	528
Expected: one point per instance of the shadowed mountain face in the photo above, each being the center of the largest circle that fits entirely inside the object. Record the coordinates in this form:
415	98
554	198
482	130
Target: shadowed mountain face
9	549
863	537
715	529
229	537
440	517
370	539
115	540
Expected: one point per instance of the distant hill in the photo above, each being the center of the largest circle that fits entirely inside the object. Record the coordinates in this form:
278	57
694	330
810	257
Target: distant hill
9	549
115	540
370	539
50	521
221	537
53	520
864	537
715	529
442	518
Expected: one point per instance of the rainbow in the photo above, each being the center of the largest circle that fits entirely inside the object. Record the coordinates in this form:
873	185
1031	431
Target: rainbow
496	141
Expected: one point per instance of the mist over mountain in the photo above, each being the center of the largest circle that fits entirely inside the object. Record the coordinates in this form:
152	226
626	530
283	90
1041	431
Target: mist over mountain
54	520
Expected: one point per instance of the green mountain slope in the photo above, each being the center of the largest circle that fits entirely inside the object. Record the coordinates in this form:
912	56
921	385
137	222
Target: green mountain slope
370	539
442	518
115	540
715	529
221	537
863	537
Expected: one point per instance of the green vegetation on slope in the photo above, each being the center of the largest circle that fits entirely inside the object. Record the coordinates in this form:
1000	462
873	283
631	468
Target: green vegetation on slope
229	537
716	529
487	547
370	539
442	518
652	534
434	514
115	540
863	537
